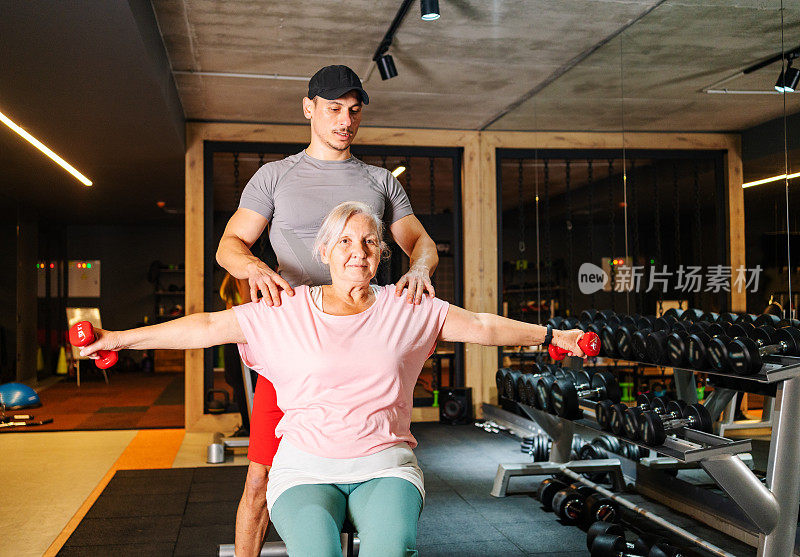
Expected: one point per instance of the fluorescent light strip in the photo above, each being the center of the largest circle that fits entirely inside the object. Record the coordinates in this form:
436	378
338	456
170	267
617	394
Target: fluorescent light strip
773	179
242	75
44	149
398	171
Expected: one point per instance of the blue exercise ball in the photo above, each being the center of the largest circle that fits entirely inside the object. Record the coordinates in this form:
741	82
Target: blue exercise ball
16	396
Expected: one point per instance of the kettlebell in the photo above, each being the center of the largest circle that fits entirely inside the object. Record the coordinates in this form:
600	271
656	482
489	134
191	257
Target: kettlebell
216	405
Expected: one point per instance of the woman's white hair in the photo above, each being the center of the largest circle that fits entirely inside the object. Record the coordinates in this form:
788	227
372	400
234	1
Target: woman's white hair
334	224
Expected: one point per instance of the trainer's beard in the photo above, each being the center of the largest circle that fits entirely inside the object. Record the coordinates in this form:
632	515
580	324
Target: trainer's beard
337	147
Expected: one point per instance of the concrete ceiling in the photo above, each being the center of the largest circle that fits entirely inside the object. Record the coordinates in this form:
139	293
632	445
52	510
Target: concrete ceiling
504	65
99	81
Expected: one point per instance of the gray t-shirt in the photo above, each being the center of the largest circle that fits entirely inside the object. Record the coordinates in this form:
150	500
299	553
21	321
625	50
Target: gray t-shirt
296	194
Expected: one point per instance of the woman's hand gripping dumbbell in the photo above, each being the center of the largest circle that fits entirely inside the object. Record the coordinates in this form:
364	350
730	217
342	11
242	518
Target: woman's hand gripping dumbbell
563	344
83	334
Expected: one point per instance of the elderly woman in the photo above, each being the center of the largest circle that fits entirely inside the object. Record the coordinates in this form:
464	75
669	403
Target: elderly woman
344	359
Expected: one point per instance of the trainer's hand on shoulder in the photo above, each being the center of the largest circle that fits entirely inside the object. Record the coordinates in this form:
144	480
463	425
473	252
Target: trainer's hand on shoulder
263	279
418	282
568	340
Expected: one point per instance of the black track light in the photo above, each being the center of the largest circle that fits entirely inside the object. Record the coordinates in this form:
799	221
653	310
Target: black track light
430	9
788	80
386	67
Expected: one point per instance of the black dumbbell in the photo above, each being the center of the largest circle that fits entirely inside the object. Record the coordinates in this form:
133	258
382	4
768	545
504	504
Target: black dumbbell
692	315
598	316
673	312
539	447
524	383
632	451
555	321
767	319
500	381
608	347
602	413
605	315
600	508
510	383
623	335
746	318
547	490
543	385
614	545
608	545
717	347
656	342
678	343
530	386
514	383
600	448
639	338
653	427
710	317
569	323
569	503
631	418
579	503
609	331
744	354
600	528
727	317
565	396
697	353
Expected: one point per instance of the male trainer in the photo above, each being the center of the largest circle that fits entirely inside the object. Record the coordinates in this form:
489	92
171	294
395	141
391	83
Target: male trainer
293	196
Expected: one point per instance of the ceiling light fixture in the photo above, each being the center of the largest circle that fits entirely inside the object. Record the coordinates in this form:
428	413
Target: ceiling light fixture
44	149
430	10
787	81
384	61
788	55
386	67
772	179
398	171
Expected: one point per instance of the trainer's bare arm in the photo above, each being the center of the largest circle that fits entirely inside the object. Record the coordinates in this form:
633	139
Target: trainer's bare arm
234	255
412	238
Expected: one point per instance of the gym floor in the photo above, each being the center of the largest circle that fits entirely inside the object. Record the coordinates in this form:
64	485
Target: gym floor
83	500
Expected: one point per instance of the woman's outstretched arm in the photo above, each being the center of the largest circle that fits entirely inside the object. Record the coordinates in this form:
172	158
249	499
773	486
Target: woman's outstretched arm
199	330
489	329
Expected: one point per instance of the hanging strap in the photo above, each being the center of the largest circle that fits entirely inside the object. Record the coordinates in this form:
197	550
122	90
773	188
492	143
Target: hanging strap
521	209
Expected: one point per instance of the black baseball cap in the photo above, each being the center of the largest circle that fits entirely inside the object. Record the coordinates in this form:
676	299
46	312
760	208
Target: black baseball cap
331	82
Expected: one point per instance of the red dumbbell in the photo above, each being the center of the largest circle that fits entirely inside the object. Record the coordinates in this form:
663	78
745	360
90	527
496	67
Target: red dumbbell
82	334
589	343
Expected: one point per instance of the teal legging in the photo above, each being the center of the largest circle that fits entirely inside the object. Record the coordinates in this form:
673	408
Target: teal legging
384	512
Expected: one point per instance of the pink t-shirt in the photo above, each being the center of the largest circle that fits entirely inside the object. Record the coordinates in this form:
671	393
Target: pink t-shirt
344	382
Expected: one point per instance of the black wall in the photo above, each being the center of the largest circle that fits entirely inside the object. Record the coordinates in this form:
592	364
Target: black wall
125	253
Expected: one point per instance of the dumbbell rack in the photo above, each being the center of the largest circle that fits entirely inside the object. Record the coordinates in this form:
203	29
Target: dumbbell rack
772	508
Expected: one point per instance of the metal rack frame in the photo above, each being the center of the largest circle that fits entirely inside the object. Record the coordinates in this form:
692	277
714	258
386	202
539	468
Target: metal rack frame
773	508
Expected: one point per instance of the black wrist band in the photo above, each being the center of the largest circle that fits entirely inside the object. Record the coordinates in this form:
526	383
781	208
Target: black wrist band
549	336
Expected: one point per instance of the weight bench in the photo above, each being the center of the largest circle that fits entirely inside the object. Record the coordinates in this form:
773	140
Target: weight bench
350	545
216	455
215	452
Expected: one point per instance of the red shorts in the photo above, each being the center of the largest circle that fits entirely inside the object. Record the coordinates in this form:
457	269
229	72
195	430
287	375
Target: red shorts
264	419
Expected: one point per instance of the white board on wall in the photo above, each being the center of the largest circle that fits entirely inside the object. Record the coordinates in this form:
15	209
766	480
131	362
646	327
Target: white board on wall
83	278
